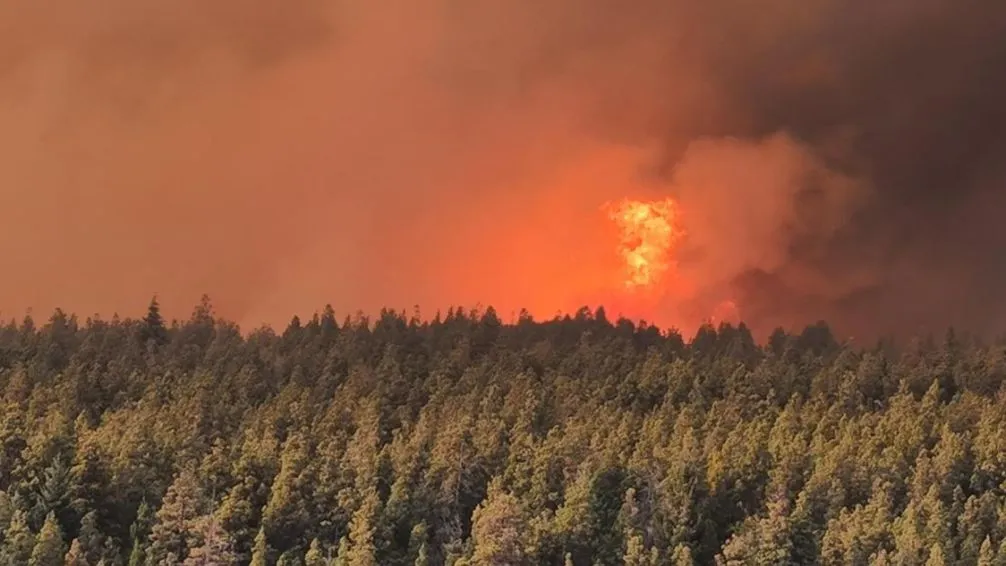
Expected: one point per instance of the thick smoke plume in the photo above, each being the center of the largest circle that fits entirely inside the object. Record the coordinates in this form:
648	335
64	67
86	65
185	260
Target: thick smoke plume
835	159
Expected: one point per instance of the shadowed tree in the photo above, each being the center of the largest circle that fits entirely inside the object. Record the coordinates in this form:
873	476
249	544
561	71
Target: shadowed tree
154	330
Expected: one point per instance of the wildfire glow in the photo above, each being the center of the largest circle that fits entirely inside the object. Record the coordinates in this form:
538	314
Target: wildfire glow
726	311
649	232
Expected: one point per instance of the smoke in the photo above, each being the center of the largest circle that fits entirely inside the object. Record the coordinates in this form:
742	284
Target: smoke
751	203
837	160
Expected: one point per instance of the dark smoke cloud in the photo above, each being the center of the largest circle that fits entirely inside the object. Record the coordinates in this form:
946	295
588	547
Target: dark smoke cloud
284	155
911	101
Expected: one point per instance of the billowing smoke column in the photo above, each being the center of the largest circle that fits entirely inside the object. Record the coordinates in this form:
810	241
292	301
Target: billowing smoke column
829	159
738	208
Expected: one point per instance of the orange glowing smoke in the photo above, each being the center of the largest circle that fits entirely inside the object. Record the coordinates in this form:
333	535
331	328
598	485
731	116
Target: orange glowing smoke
649	232
726	311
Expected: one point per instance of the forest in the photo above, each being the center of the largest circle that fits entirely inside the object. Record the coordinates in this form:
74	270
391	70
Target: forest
465	440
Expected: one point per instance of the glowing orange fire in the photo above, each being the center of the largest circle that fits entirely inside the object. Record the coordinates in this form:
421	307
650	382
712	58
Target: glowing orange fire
650	237
649	232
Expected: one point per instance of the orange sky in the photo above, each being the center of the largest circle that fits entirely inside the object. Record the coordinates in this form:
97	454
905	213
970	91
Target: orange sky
376	154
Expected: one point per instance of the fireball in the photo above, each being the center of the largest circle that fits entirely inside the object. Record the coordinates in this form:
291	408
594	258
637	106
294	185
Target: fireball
649	233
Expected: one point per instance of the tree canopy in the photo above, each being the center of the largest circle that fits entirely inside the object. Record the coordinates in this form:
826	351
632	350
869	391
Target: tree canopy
466	440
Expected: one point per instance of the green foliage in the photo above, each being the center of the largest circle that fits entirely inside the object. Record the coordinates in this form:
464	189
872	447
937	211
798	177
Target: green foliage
18	543
260	553
497	530
314	555
468	440
362	548
49	548
289	558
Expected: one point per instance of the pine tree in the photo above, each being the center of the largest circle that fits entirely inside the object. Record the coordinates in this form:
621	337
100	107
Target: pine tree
49	549
260	552
289	558
214	546
635	552
153	325
763	541
986	556
6	510
1001	554
936	556
497	525
418	539
342	554
285	515
111	553
54	494
422	557
682	556
175	528
314	556
18	542
75	556
91	540
144	523
361	532
136	556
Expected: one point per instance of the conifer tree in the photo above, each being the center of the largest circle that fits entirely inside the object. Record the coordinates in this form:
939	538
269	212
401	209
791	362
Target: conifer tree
214	546
682	556
289	558
361	550
260	552
761	541
986	555
18	542
418	539
936	556
75	556
422	557
91	540
54	493
314	556
136	556
49	548
342	555
286	514
635	552
175	526
111	553
153	325
1000	559
497	525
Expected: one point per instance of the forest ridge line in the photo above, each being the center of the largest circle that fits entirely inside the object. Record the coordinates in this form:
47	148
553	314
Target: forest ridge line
467	441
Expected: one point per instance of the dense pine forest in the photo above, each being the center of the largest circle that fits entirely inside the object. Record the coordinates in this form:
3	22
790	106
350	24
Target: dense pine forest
465	440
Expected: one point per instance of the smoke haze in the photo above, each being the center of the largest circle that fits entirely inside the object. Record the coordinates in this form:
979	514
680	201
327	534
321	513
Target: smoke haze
835	160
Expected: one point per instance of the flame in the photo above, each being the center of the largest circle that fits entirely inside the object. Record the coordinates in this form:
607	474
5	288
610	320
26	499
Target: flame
649	233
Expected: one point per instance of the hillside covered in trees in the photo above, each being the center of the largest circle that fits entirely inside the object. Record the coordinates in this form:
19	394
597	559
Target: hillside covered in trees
467	441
